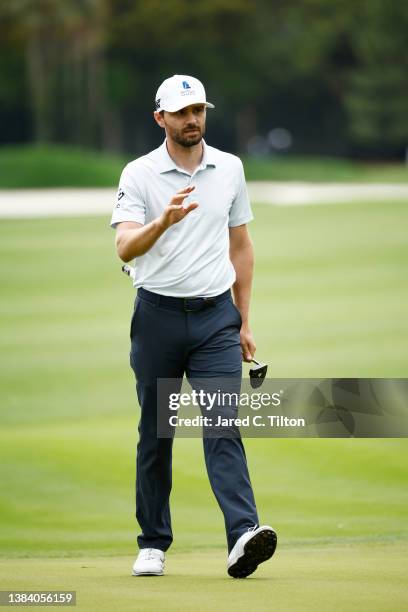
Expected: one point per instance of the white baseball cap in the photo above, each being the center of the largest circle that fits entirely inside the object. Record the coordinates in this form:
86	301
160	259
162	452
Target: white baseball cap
179	91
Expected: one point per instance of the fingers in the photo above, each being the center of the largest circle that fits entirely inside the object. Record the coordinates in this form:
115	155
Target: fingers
179	198
175	207
246	355
178	208
182	194
190	207
188	189
248	349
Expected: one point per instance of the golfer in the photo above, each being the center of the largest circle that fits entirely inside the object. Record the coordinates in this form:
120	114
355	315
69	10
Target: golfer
181	214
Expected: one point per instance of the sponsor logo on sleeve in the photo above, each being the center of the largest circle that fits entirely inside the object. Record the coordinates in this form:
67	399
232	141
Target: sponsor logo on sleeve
121	193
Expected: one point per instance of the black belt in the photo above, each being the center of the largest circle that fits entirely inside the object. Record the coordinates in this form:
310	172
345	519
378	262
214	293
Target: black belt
188	304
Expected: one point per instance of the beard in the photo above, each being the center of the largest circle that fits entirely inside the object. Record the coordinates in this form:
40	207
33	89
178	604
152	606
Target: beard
186	139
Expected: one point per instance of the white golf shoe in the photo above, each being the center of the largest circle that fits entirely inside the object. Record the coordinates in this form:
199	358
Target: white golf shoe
255	546
150	562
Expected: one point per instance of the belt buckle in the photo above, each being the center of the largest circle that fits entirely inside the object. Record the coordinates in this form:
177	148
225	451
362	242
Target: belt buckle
186	309
205	303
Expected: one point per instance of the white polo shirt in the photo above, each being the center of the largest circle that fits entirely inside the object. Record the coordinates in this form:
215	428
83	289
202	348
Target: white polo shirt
191	258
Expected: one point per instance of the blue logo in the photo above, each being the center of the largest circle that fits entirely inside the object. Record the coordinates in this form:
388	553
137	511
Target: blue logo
186	85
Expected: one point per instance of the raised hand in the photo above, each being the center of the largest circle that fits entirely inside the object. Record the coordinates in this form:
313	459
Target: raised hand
176	211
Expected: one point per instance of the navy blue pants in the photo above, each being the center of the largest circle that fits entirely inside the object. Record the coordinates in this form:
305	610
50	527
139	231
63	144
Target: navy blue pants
167	342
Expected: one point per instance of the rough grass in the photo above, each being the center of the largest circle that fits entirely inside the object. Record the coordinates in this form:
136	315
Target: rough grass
56	166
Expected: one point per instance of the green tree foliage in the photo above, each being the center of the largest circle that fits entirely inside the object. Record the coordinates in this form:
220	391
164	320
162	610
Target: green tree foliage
62	45
86	71
377	99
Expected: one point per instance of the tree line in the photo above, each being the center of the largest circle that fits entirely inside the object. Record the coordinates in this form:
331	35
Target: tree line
85	72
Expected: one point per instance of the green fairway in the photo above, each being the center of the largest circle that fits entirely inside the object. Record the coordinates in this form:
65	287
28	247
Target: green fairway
330	298
346	578
57	166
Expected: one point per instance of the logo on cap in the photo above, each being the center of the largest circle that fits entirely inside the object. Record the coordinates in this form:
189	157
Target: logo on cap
186	85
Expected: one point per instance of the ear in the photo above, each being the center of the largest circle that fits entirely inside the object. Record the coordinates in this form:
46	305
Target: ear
158	118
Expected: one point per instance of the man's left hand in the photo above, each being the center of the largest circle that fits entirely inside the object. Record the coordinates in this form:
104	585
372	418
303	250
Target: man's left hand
247	343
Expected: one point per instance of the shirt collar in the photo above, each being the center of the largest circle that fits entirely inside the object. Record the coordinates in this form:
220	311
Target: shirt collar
166	163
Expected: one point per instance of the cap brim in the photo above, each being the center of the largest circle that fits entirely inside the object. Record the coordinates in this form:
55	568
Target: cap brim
174	108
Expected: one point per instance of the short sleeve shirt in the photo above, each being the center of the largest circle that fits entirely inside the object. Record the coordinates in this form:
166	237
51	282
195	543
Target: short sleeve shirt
191	258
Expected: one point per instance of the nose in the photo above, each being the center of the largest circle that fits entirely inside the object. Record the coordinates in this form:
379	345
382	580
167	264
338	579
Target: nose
191	119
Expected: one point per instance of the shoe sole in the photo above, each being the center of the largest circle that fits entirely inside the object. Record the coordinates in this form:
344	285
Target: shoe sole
148	574
258	549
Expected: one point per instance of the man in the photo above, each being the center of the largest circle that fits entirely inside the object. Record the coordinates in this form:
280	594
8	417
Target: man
181	213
